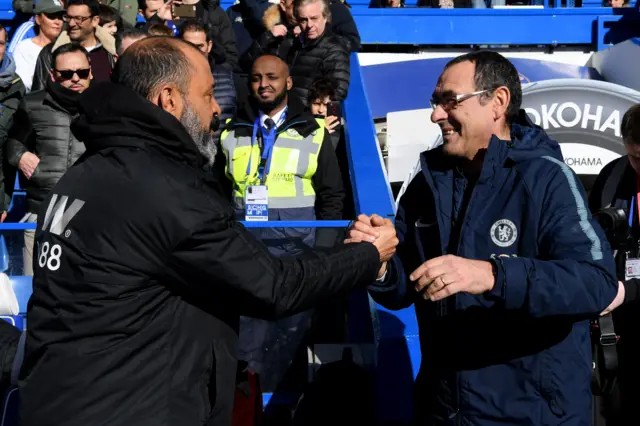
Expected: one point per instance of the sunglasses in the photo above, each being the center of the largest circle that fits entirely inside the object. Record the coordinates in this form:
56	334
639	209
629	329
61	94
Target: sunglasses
68	74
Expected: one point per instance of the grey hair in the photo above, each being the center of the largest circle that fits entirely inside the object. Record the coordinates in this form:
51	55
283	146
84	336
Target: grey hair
326	12
151	63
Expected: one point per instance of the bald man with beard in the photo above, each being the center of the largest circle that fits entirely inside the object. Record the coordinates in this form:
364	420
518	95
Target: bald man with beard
142	272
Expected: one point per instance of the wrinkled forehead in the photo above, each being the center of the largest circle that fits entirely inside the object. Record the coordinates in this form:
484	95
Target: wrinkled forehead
456	80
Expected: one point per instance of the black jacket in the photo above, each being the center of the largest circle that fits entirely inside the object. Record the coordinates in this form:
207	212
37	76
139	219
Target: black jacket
323	57
9	337
10	99
246	22
627	316
343	25
326	56
225	91
140	309
43	127
224	50
621	197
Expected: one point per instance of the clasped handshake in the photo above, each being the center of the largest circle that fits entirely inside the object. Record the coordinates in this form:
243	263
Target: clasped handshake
378	231
436	278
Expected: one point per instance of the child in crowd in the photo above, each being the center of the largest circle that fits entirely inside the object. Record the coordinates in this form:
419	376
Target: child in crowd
320	94
110	19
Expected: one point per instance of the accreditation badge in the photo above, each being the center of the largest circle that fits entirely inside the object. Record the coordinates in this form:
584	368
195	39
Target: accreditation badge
256	203
632	269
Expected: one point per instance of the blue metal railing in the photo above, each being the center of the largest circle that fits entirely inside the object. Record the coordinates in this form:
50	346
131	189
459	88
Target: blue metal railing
549	26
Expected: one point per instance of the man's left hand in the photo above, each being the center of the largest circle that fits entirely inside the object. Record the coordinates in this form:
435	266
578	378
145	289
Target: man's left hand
447	275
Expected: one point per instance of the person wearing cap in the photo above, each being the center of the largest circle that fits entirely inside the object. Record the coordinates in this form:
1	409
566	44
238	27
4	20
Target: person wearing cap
48	21
11	92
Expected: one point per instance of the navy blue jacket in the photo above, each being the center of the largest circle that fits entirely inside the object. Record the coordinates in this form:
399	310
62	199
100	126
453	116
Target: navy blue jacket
521	354
224	92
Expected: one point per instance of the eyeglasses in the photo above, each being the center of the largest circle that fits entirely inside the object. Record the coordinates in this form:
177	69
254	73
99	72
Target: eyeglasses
68	74
79	19
451	102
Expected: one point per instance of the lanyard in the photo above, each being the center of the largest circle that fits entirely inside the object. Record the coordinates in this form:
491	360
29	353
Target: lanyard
268	141
634	201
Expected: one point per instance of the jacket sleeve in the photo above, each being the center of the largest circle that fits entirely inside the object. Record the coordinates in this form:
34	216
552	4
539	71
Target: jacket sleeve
327	183
18	141
265	43
9	107
222	34
395	291
222	259
344	26
41	73
336	67
574	273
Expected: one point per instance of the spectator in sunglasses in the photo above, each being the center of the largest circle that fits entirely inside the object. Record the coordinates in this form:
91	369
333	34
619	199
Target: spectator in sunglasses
82	19
40	143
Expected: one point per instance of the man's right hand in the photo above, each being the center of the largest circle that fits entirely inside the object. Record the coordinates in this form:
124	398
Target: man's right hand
381	232
279	31
28	163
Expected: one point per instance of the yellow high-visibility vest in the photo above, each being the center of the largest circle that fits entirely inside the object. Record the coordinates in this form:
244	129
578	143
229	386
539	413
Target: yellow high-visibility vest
294	161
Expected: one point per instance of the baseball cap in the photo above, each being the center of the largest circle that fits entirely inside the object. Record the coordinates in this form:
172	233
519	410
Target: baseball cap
49	6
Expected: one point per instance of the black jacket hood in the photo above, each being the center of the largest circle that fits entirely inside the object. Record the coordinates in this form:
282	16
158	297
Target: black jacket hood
112	115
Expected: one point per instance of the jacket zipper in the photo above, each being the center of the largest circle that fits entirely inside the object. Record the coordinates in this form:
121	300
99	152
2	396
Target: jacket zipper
463	227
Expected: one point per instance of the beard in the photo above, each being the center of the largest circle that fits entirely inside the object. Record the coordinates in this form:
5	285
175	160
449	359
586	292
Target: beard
201	136
271	105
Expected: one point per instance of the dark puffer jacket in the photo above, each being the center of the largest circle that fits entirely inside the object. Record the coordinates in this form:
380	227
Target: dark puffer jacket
10	98
42	126
224	92
323	57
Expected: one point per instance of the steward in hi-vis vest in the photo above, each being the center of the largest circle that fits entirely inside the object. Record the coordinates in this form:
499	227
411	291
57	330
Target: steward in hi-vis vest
298	167
282	167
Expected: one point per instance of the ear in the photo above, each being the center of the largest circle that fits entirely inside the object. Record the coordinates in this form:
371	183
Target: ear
52	75
289	83
501	99
95	21
209	46
90	74
170	100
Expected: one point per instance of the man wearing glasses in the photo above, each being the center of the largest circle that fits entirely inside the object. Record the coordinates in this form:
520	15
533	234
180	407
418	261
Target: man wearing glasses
41	144
82	19
501	259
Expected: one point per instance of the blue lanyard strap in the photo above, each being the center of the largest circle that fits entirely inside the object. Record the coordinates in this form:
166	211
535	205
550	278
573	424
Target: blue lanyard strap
268	141
633	199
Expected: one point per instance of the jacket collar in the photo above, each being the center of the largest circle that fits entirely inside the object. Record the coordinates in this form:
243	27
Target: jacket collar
112	115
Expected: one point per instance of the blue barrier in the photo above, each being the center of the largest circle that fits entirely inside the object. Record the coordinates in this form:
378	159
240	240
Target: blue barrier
568	26
372	193
464	27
